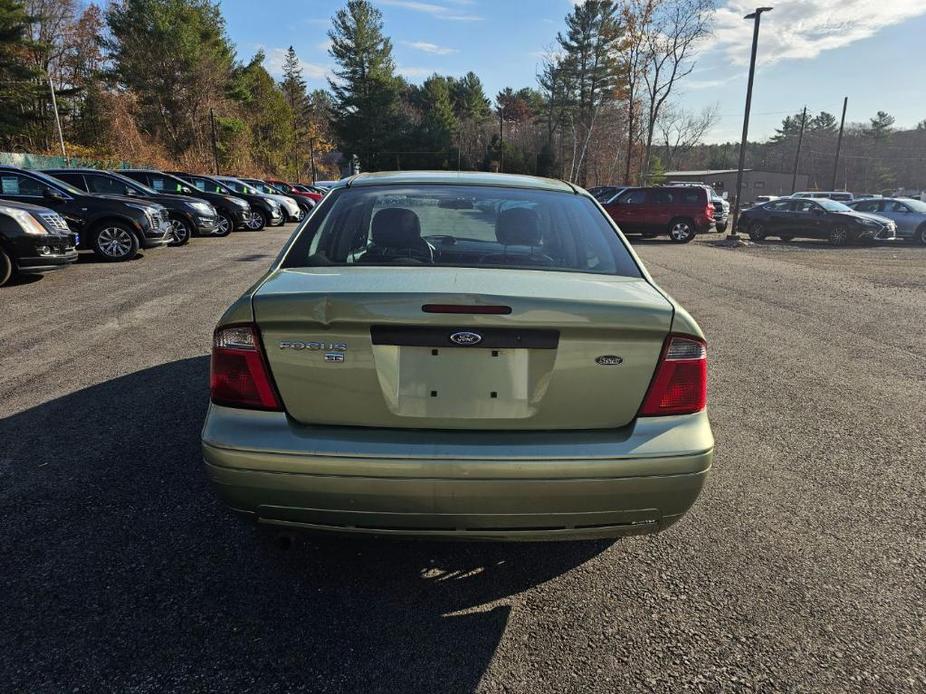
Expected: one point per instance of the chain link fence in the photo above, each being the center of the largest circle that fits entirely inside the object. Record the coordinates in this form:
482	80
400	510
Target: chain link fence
25	160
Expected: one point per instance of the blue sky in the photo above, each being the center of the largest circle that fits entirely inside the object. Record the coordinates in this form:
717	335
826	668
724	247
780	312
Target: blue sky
811	52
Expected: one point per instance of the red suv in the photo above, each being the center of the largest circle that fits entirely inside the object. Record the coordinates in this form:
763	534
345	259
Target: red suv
679	211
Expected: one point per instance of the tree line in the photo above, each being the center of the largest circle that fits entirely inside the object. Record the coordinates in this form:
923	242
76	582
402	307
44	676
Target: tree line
158	82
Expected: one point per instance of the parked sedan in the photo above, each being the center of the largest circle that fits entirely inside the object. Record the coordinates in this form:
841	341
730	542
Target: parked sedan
909	215
814	218
412	364
294	189
187	215
33	240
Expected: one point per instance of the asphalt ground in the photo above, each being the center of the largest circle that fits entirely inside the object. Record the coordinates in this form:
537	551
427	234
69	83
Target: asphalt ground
801	568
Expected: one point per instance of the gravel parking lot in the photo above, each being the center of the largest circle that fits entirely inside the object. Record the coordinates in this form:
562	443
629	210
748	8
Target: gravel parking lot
801	568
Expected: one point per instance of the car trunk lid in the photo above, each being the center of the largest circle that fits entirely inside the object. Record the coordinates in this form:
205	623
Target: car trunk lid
354	346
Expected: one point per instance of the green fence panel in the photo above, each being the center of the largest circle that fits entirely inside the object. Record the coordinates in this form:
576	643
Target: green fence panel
25	160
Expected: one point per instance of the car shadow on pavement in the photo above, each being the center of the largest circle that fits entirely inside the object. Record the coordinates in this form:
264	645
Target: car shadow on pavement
121	570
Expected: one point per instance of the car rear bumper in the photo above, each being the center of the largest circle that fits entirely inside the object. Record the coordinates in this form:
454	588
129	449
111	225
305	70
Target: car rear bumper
477	485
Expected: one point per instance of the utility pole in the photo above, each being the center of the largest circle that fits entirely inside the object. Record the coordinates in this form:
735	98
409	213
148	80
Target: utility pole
737	203
215	147
312	155
54	106
797	157
501	141
842	127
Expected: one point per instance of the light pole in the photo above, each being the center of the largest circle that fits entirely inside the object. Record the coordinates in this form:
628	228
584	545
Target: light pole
756	16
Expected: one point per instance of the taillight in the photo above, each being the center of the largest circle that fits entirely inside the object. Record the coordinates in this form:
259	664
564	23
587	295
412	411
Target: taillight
679	385
239	375
709	211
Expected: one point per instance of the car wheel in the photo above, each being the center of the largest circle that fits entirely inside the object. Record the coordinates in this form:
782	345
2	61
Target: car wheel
180	232
721	228
257	221
839	236
115	242
226	224
681	231
6	267
786	238
920	235
757	233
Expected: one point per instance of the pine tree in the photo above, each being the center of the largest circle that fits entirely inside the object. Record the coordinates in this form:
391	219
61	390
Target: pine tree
294	91
366	90
591	49
294	87
881	125
16	78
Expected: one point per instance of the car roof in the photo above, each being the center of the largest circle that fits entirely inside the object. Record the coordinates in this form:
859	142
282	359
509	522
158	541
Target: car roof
460	178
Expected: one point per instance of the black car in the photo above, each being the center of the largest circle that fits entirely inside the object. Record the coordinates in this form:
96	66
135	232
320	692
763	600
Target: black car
814	218
187	216
33	240
267	212
115	227
233	212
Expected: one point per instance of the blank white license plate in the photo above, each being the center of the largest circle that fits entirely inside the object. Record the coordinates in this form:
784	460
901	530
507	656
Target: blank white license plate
462	383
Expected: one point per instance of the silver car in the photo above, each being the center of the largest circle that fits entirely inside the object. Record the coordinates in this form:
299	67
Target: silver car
908	214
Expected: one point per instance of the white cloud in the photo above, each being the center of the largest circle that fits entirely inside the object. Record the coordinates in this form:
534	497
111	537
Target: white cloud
430	47
439	11
413	72
276	57
802	29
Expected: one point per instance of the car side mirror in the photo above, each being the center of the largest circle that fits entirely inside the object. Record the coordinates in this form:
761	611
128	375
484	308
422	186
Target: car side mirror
52	194
130	192
817	211
186	189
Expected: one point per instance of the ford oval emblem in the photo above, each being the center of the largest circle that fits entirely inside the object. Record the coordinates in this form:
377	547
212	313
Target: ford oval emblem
466	338
609	360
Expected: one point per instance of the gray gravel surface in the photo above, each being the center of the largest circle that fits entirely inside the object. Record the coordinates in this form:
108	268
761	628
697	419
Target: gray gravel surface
801	568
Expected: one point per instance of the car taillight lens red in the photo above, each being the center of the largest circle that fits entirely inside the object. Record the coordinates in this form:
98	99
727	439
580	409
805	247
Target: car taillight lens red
710	210
239	376
679	385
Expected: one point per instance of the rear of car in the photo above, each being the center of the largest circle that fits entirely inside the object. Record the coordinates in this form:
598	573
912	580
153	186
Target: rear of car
679	212
465	356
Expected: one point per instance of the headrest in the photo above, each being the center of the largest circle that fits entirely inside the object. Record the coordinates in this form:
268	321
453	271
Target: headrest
396	227
518	226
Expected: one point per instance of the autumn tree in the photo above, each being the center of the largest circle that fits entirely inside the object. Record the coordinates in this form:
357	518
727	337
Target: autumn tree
175	57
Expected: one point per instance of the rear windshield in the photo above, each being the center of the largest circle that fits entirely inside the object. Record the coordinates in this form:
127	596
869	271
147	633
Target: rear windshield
461	226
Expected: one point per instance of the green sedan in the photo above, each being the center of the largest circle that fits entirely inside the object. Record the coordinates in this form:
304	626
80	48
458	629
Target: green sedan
459	355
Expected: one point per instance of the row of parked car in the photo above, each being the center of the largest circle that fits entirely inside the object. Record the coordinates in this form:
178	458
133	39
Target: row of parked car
683	210
820	215
46	216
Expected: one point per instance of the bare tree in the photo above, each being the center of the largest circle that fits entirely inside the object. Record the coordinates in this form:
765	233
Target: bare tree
680	130
637	16
671	34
